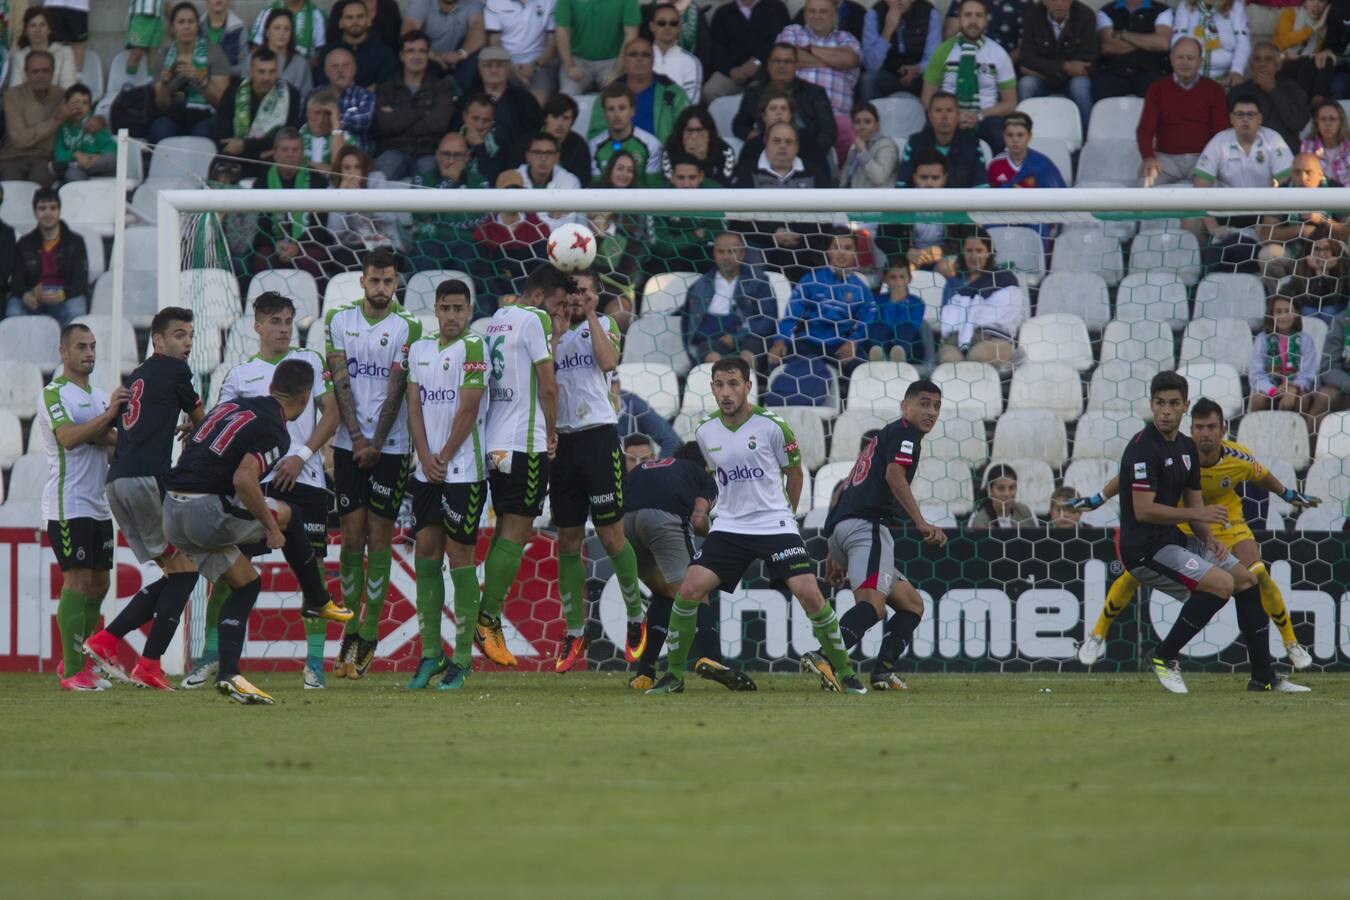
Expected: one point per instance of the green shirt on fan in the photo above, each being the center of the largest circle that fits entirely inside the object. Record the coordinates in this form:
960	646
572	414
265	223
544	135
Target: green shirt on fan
72	139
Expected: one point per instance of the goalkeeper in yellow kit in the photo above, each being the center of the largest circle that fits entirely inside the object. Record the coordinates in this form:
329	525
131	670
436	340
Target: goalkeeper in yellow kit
1223	465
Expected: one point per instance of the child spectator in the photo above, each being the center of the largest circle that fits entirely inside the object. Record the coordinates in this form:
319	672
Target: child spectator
1283	366
898	332
79	154
1061	516
999	508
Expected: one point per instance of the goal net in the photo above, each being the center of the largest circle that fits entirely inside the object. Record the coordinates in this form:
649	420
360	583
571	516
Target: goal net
1042	315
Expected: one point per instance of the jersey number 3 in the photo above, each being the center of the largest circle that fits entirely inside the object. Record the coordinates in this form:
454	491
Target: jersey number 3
864	464
132	414
226	420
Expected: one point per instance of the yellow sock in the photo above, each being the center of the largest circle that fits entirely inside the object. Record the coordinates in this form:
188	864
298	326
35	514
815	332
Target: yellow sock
1117	598
1272	601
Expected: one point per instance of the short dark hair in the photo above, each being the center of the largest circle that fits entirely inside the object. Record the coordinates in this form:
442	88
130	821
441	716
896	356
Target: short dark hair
379	258
561	105
1242	97
167	316
782	45
1018	118
453	287
39	54
546	279
340	7
999	470
76	89
292	378
271	302
287	133
46	195
480	99
867	437
691	451
617	89
929	157
543	136
899	261
262	54
922	386
71	329
942	95
415	34
864	106
1204	408
1169	381
732	364
684	159
179	7
637	439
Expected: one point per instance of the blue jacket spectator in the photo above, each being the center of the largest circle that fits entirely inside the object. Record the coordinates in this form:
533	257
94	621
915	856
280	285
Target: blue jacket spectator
637	417
831	308
897	332
730	310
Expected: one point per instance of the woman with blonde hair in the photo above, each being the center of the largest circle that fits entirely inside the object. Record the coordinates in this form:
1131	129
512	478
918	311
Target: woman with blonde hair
1330	141
1224	35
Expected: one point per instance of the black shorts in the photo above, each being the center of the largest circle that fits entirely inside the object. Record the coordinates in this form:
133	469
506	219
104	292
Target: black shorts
378	489
521	491
68	25
312	504
587	478
82	543
456	507
728	555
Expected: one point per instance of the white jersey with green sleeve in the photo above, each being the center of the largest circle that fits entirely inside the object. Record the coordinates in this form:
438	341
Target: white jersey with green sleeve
75	477
583	389
994	70
253	378
441	373
748	462
517	339
372	349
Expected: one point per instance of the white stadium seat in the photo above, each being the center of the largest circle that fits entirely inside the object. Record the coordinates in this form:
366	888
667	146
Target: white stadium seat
419	298
1057	150
316	338
1227	340
11	438
940	484
827	476
1055	117
1277	510
21	388
1160	252
848	430
782	291
957	436
91	76
656	338
93	249
665	292
297	284
1158	296
880	386
1333	436
102	328
91	203
1020	248
1329	478
183	157
1217	381
31	339
1239	296
1056	337
929	286
1035	482
1316	329
1104	432
1113	118
17	207
1122	386
585	103
722	110
1033	434
698	396
809	429
343	288
1276	435
1087	477
214	296
654	382
1088	249
1323	518
1081	293
901	116
29	477
972	387
1112	161
1141	340
1047	385
142	249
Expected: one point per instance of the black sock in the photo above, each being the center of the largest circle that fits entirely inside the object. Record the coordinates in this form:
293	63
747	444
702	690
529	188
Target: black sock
168	611
1199	608
855	623
1255	626
707	631
233	625
658	626
304	562
139	610
899	633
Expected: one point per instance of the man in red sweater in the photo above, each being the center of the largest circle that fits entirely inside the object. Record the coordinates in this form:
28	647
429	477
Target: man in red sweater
1181	113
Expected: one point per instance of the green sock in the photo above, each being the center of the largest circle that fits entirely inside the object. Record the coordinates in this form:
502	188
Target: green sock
92	607
430	602
683	624
625	568
502	565
572	589
825	625
316	631
70	621
377	589
352	577
467	599
220	592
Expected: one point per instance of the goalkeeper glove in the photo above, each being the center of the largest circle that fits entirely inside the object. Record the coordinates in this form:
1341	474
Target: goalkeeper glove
1086	503
1299	499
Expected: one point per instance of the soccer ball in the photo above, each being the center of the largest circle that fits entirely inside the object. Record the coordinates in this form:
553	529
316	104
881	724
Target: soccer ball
571	248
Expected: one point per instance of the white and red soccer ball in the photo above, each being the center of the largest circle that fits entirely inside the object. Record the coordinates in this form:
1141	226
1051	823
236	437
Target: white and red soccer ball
571	248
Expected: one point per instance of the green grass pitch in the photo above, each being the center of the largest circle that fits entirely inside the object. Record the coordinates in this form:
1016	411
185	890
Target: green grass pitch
526	786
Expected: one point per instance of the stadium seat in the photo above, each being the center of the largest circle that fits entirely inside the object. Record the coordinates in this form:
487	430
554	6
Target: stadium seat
665	292
723	112
685	423
939	484
1047	385
698	396
880	386
811	384
32	339
140	297
91	76
296	284
21	388
1056	150
782	291
1316	329
17	207
91	203
1113	117
1227	340
1329	478
11	439
1035	482
142	248
735	143
1276	509
343	288
1141	340
479	325
1055	117
1239	295
182	157
1158	296
93	250
957	436
848	431
215	381
585	103
827	476
1217	381
29	477
971	387
809	429
1033	434
1056	337
1104	432
900	116
1080	293
1087	251
214	297
1158	253
1020	248
657	338
1323	518
101	326
654	382
1333	436
1088	476
1113	162
1122	386
419	297
316	338
929	286
118	77
1276	434
145	198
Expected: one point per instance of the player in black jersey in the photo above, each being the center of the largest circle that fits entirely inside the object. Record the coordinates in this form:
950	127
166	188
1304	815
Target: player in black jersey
861	547
159	390
666	499
215	504
1161	468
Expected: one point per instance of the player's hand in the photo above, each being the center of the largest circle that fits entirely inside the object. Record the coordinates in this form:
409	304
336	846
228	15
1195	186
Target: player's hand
1217	550
1085	503
184	431
932	534
552	444
433	466
834	573
275	539
287	471
1299	500
115	401
1211	515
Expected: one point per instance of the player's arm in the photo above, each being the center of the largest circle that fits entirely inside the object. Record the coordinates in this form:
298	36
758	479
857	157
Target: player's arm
897	479
71	435
795	480
417	432
698	519
346	401
604	342
1193	511
247	487
393	403
1287	494
548	399
462	425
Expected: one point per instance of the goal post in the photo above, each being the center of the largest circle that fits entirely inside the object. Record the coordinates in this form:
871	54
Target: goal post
1110	285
